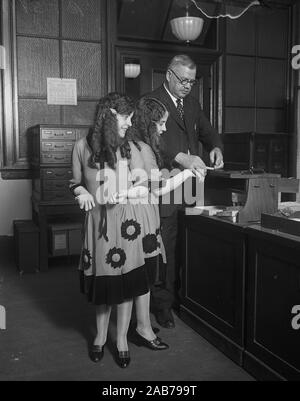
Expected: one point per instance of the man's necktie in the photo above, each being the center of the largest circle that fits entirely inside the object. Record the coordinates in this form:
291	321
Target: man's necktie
180	108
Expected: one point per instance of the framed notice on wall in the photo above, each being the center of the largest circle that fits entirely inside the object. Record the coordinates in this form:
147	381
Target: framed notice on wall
61	91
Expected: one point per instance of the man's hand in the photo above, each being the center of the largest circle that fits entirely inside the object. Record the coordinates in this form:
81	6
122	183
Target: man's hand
86	201
216	158
191	162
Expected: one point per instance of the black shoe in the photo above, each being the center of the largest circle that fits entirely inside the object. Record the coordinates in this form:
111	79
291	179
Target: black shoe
96	353
165	318
132	329
155	345
123	358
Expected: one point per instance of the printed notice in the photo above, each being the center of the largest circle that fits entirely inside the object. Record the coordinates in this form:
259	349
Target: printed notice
61	91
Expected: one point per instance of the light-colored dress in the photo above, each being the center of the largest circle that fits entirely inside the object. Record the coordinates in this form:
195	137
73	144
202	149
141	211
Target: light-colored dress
121	241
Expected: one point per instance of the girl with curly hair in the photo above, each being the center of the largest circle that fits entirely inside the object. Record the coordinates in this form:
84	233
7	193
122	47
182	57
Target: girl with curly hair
113	266
148	124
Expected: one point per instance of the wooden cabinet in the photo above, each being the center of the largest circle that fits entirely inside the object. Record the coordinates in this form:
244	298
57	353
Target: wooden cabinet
240	284
51	169
51	161
268	152
273	289
213	281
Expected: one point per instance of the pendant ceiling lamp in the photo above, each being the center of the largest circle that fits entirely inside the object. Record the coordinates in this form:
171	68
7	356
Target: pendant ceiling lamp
187	28
132	70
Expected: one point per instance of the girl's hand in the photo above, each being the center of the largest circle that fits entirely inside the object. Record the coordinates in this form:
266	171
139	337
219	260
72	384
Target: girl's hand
200	174
117	197
86	201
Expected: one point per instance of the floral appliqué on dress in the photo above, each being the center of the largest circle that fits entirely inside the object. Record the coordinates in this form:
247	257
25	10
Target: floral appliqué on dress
86	259
130	230
116	257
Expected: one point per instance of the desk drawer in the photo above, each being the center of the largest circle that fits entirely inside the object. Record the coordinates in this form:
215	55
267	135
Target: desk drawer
63	158
56	173
57	133
57	146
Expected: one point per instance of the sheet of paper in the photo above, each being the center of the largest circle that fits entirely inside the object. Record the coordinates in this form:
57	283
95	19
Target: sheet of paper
61	91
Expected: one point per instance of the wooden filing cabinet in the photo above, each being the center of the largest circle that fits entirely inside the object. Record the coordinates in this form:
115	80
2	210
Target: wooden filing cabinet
51	154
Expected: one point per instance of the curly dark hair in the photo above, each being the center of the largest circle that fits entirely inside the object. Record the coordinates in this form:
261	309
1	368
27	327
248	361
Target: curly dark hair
103	138
148	111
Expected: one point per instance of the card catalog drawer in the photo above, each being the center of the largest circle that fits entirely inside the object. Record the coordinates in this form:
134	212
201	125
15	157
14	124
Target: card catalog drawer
57	146
63	158
56	173
57	133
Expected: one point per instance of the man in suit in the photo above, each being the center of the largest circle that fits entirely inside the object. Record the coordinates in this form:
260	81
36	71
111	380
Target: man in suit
186	126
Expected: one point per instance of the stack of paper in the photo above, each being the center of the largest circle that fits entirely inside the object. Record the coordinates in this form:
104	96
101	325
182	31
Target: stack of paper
204	210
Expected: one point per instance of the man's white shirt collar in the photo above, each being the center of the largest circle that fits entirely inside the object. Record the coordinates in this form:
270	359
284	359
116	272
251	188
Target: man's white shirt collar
173	97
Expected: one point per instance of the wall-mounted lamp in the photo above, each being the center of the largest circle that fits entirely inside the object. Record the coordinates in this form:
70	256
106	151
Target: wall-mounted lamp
132	70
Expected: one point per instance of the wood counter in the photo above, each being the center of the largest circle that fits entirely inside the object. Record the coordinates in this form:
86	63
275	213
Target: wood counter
239	285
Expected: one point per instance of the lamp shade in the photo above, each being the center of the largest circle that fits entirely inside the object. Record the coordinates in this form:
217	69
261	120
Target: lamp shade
187	28
132	70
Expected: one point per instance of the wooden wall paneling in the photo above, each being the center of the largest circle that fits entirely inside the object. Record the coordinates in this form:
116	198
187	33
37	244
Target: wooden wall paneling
273	32
82	114
271	120
240	35
82	61
40	18
81	19
37	59
239	119
31	111
239	81
271	82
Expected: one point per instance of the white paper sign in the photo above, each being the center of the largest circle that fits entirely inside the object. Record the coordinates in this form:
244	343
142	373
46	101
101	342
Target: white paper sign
61	91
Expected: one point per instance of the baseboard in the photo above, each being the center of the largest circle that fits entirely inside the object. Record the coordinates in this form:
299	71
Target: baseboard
259	370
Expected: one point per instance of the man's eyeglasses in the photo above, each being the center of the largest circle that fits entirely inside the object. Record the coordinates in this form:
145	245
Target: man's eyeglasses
184	82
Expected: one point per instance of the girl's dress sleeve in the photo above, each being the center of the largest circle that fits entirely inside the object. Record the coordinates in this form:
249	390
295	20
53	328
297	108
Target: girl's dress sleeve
155	179
77	164
137	166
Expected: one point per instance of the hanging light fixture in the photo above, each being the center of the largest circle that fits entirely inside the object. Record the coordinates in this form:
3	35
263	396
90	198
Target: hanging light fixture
187	28
132	70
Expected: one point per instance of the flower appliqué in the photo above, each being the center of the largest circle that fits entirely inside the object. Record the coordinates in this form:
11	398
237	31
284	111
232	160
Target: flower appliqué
86	259
150	243
130	230
116	257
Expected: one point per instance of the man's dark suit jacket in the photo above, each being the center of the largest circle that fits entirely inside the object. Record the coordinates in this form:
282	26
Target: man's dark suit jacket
183	136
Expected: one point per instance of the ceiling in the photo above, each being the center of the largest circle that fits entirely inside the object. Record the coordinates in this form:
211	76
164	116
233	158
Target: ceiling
149	20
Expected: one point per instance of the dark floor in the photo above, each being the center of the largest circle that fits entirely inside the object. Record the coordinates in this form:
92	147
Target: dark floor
49	325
